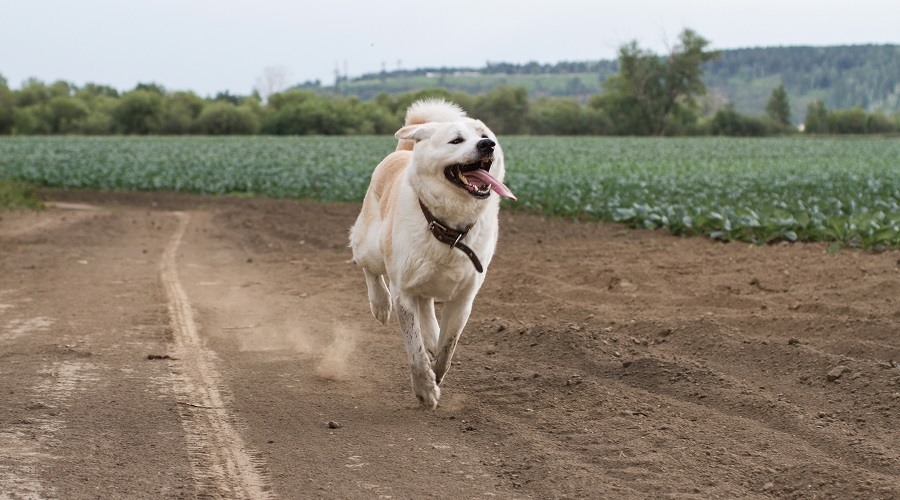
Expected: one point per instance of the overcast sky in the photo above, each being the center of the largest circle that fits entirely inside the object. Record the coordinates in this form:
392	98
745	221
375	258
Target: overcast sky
214	45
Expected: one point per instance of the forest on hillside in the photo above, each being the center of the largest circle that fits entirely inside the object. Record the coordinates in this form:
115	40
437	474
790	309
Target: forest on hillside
867	76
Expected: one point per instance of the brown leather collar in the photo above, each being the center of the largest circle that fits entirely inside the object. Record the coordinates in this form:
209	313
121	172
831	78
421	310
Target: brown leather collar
450	236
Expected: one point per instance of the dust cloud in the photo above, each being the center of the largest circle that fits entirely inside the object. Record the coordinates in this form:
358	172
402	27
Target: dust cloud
333	365
332	351
273	337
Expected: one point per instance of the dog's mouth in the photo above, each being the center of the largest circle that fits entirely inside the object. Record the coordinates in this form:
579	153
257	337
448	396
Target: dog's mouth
476	179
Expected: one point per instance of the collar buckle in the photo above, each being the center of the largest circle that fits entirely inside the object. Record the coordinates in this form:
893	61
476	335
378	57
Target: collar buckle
435	223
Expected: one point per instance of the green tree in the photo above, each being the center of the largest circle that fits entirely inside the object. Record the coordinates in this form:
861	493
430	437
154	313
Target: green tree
290	97
99	120
152	87
878	123
848	121
138	112
816	118
778	108
727	121
623	110
555	116
305	113
565	116
32	92
466	101
328	116
372	118
62	88
30	120
385	101
64	114
504	108
93	90
224	118
649	90
179	112
228	97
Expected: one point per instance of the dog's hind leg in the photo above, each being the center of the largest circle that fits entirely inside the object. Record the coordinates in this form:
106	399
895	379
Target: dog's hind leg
423	380
379	296
453	319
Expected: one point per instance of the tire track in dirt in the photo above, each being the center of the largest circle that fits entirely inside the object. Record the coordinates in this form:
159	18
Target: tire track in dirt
32	223
221	463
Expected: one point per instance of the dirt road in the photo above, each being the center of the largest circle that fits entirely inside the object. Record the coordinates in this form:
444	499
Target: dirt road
175	346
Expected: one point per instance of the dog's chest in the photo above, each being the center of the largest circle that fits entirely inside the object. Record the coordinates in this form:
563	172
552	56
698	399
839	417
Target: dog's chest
440	272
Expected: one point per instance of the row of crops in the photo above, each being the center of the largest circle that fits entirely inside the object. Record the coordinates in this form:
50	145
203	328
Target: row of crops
760	190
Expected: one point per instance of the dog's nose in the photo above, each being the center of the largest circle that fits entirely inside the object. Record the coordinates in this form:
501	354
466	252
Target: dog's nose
485	145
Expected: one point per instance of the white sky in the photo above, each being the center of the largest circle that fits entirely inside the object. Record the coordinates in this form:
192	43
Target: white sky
213	45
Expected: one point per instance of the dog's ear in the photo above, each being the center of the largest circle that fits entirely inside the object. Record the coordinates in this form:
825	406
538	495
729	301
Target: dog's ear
415	132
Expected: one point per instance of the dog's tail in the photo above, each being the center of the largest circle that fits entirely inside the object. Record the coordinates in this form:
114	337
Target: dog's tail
429	110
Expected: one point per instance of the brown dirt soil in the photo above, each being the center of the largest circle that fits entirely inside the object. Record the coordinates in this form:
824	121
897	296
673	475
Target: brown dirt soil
599	362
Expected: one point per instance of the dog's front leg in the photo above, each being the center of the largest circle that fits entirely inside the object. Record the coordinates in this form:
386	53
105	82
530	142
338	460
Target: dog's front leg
423	379
453	319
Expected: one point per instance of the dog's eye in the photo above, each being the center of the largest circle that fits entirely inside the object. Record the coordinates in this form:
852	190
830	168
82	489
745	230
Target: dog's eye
458	140
484	136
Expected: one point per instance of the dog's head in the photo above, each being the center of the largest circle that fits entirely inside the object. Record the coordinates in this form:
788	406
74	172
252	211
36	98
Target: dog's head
463	153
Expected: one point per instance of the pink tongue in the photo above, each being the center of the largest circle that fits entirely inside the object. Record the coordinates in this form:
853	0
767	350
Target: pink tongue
496	185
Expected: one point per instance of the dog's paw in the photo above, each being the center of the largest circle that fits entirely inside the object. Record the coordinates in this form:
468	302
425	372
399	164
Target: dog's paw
380	303
381	312
427	390
429	397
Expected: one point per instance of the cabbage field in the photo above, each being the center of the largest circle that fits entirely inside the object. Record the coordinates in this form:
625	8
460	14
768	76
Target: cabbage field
759	190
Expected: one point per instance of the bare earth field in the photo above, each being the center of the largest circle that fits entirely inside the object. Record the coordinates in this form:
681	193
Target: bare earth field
157	345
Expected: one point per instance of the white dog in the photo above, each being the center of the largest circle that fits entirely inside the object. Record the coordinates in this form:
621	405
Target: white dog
429	225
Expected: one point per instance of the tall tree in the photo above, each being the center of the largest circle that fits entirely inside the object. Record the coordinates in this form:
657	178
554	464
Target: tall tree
650	89
778	108
816	118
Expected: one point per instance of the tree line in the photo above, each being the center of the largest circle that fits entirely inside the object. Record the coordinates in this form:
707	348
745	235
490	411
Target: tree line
650	95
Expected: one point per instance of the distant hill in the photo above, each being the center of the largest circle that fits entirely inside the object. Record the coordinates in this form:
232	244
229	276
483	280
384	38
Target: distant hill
844	76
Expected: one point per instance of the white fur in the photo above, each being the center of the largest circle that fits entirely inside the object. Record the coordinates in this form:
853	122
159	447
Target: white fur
421	270
433	110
